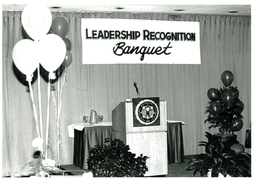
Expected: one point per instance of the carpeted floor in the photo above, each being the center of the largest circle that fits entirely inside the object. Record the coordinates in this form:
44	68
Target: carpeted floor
174	169
179	169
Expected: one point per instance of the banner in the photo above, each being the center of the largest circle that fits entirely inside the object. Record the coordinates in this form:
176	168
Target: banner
129	41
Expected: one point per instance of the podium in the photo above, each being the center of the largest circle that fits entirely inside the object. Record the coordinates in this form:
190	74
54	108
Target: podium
142	124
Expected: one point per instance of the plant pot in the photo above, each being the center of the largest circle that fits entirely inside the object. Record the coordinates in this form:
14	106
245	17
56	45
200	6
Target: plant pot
229	137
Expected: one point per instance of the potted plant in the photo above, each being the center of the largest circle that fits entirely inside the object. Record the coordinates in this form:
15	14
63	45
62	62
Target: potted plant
224	155
113	159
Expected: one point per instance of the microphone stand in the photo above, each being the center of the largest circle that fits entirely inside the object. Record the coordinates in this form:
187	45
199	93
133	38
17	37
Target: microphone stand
137	90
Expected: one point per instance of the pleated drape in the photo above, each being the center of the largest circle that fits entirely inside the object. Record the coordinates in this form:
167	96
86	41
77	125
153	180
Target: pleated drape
225	45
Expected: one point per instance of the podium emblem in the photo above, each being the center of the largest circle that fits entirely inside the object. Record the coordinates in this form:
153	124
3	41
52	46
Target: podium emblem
146	113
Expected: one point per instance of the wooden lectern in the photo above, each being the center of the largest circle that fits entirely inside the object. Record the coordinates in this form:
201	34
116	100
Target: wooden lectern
142	124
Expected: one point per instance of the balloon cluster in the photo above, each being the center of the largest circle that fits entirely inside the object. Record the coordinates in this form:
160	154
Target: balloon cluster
46	50
45	43
225	107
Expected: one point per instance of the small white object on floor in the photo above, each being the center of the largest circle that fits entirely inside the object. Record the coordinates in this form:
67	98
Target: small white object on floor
88	175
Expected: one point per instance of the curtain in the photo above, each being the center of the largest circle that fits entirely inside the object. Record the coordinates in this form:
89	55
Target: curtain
225	45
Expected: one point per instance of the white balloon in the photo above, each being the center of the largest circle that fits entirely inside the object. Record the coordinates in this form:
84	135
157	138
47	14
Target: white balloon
24	56
37	20
52	51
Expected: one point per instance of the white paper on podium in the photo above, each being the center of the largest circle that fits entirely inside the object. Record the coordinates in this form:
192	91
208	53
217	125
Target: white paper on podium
81	126
173	121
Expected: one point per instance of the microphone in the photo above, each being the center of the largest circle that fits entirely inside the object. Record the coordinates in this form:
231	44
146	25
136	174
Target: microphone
137	90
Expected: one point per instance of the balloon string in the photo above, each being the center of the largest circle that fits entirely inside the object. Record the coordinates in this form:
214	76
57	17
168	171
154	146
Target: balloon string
58	123
60	95
58	132
39	102
60	88
55	105
47	120
34	108
58	117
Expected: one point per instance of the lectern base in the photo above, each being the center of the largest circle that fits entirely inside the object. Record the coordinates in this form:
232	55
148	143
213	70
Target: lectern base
151	144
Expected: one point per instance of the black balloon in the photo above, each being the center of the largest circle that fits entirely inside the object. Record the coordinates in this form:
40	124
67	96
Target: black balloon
240	104
22	77
68	59
45	74
235	93
215	108
67	43
227	78
60	27
237	124
227	98
212	93
238	107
